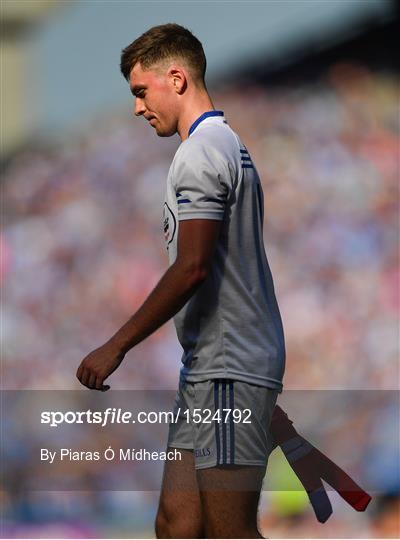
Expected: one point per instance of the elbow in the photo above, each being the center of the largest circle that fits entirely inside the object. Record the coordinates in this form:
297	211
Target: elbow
194	274
199	275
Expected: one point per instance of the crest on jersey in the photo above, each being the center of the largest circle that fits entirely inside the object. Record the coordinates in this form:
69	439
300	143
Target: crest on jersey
169	224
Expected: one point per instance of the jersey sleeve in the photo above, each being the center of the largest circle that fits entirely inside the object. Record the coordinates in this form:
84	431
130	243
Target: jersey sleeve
202	183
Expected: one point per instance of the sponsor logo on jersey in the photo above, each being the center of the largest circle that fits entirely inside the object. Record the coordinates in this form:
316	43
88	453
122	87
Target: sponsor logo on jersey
169	224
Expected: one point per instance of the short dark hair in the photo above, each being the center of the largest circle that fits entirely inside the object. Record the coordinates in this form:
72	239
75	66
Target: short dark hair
164	42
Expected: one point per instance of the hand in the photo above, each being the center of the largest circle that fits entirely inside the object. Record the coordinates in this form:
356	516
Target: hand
98	365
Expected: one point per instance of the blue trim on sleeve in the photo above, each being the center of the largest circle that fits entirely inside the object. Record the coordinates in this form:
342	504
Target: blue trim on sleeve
180	201
219	201
203	117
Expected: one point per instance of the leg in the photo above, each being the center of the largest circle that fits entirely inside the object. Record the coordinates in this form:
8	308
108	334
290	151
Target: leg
179	513
231	457
230	497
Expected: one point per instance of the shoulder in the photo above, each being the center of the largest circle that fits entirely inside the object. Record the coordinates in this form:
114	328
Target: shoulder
216	144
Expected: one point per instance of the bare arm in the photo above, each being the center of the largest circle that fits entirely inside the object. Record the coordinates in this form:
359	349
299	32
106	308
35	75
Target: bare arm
197	239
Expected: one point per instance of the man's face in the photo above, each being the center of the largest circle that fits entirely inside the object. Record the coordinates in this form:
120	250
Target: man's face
155	99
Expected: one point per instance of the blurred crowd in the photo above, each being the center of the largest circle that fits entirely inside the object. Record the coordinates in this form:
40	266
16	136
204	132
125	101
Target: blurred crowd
82	246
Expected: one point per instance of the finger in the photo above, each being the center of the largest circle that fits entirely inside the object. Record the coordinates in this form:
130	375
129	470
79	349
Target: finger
100	386
79	371
99	383
85	377
92	380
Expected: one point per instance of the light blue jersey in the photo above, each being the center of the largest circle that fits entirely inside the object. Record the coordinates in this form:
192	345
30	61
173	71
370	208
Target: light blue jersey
231	328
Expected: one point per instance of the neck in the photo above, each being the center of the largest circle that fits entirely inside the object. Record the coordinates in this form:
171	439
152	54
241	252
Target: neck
194	107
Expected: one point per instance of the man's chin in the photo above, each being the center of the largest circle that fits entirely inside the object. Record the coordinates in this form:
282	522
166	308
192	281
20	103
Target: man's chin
164	133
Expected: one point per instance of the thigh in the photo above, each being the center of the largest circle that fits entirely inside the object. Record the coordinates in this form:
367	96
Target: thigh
230	496
180	505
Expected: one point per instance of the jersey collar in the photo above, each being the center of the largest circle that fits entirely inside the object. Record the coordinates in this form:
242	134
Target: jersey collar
203	117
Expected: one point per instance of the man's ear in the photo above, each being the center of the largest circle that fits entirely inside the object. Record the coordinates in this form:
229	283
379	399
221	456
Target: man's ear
178	79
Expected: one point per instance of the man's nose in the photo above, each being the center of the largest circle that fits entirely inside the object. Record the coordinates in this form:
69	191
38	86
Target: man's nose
139	107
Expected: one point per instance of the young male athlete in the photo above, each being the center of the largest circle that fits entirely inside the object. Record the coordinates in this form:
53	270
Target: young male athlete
218	288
